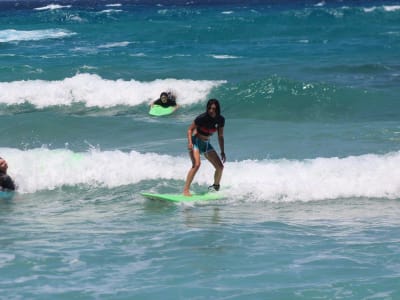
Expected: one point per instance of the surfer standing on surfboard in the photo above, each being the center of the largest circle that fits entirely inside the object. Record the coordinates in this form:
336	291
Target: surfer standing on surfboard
198	134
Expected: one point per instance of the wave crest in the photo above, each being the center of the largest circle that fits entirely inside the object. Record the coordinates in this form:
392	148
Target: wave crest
367	175
94	91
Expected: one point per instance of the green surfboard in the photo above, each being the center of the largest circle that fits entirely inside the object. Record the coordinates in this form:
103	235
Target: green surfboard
158	110
182	198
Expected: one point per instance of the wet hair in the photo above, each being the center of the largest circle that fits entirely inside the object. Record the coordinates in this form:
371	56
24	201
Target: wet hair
214	101
171	96
164	94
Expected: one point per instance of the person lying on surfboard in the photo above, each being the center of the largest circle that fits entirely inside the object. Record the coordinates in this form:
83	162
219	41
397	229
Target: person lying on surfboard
198	134
6	183
166	100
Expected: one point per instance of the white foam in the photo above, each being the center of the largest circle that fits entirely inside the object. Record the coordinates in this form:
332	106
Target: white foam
114	5
370	9
141	54
92	90
387	8
267	180
114	45
52	7
224	56
109	11
391	7
12	35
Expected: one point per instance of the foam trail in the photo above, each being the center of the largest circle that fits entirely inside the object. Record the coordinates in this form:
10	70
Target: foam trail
268	180
92	90
12	35
113	45
52	7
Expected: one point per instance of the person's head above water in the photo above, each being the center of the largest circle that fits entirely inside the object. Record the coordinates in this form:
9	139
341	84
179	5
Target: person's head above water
164	97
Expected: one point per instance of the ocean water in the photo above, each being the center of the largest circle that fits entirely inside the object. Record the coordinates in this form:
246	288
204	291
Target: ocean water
309	91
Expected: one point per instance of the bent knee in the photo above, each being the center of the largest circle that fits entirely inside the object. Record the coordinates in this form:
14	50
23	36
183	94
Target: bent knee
196	166
219	167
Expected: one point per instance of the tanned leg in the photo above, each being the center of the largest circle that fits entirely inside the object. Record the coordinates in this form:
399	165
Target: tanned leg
214	159
195	158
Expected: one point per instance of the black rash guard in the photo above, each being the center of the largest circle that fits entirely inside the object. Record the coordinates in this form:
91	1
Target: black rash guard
170	102
6	182
207	125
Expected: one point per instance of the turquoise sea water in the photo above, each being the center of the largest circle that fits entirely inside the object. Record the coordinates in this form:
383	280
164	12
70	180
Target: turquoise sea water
309	91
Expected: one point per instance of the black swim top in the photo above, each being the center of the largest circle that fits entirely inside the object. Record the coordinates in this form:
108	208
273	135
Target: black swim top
207	125
6	182
170	102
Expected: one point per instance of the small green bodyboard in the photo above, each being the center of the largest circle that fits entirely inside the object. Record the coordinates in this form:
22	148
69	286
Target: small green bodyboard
158	110
182	198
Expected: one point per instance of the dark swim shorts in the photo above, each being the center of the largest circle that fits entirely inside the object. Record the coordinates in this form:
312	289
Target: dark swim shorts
202	146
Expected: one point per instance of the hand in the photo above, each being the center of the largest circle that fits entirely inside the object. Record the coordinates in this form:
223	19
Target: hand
190	146
223	157
3	165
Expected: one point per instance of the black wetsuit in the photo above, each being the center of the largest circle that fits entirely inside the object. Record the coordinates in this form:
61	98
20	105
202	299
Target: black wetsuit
6	182
170	102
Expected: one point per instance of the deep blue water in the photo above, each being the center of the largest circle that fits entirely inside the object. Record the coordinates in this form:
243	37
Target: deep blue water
309	91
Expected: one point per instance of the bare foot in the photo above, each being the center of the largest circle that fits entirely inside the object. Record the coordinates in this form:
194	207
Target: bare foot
187	194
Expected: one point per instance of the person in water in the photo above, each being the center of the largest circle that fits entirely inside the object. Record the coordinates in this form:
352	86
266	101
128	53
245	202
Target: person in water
198	135
166	100
6	183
